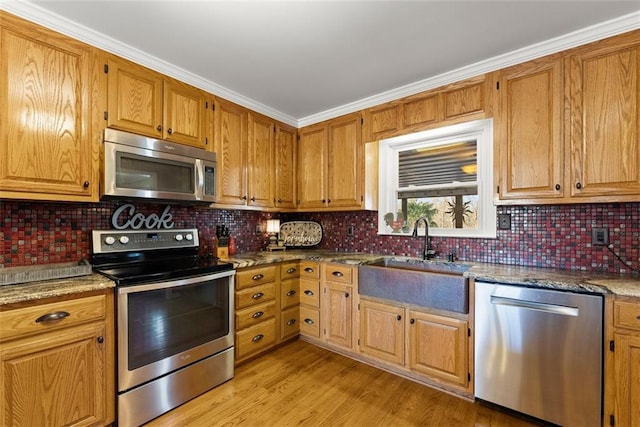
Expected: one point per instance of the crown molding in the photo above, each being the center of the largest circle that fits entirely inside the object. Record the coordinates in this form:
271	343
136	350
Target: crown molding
577	38
38	15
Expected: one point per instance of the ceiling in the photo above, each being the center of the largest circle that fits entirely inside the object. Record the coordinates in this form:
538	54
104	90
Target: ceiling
302	61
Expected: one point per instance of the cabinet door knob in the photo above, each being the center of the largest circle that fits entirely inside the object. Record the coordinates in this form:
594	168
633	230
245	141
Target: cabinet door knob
324	201
329	201
346	294
159	128
85	184
253	199
557	187
100	339
279	200
52	317
399	317
412	321
169	131
257	338
244	197
578	185
291	293
257	295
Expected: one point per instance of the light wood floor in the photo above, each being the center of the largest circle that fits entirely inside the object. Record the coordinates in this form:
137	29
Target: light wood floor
303	385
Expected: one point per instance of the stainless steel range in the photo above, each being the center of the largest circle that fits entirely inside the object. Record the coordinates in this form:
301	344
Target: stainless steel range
174	317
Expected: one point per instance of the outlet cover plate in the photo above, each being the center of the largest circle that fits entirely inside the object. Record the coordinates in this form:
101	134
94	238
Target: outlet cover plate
599	236
504	221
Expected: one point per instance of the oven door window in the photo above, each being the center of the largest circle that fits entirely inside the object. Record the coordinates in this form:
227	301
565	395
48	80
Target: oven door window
165	322
137	172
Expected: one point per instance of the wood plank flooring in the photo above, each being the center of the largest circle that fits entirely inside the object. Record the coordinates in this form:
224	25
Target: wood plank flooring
303	385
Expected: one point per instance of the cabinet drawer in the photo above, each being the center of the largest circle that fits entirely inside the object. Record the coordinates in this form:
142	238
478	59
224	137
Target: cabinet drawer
255	295
289	293
310	293
255	276
256	338
255	314
289	270
310	321
309	270
289	323
338	273
626	314
33	320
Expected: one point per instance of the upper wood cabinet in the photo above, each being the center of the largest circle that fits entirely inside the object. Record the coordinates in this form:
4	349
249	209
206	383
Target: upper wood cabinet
230	146
604	129
285	166
331	164
464	100
260	160
528	130
142	101
49	140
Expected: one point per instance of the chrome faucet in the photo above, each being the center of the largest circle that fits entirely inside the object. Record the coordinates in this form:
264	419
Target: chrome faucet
428	252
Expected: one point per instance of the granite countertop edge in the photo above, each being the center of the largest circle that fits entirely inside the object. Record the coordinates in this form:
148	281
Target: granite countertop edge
627	285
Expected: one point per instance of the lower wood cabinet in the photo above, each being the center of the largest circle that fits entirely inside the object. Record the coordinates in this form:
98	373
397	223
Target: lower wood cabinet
58	370
432	346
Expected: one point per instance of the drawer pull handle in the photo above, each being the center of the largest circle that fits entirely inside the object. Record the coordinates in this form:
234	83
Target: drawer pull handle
257	295
257	338
638	317
337	274
308	321
308	292
257	314
291	293
258	276
308	270
291	322
52	317
291	270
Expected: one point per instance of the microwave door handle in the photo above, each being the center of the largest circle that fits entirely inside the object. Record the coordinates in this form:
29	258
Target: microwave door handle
199	190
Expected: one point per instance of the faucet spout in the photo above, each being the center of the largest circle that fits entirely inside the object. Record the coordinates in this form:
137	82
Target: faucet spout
427	253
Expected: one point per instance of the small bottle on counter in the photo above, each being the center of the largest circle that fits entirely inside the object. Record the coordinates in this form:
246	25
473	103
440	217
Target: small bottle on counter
232	245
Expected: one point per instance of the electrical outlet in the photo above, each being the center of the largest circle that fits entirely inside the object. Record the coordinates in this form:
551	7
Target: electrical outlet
600	236
350	230
504	221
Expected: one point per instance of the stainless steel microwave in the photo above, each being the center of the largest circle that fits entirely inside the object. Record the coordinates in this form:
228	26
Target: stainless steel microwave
136	166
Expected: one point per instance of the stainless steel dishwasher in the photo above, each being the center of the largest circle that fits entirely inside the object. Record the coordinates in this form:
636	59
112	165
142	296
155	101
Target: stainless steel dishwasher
539	352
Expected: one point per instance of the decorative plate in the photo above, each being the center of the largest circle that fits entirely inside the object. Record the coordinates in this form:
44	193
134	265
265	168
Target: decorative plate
301	233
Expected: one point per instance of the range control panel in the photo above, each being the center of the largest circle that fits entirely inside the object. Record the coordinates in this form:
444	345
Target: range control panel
107	241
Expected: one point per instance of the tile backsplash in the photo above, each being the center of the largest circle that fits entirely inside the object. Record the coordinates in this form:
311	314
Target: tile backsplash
544	236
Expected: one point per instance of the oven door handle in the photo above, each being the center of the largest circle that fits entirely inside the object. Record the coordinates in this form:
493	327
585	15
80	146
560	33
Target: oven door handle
174	283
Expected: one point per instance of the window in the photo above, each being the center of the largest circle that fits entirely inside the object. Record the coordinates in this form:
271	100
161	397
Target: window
445	174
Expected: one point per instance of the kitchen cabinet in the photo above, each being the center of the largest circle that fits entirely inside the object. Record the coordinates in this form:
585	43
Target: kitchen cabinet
310	299
339	283
142	101
260	160
49	137
528	130
285	166
256	311
626	355
382	331
289	300
603	82
464	100
331	165
230	147
57	362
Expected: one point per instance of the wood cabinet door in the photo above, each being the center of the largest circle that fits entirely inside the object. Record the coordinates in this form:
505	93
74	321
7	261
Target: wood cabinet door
260	164
382	331
528	123
312	167
383	121
54	379
46	143
337	315
230	142
627	371
134	98
604	96
464	98
345	169
185	114
438	347
285	164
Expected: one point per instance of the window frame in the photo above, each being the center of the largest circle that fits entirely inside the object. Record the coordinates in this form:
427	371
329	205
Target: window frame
482	132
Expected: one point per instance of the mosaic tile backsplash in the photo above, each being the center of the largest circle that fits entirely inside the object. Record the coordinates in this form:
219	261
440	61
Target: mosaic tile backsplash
543	236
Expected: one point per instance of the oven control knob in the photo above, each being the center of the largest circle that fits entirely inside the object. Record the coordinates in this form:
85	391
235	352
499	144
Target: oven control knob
124	240
179	237
109	240
189	237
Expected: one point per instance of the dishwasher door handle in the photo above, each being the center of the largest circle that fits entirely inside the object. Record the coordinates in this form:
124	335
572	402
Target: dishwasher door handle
533	305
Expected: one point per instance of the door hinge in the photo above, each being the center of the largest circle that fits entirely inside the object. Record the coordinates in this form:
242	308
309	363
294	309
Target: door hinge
206	105
358	306
361	120
498	85
213	107
469	376
498	189
468	332
612	420
106	68
358	341
612	345
106	115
